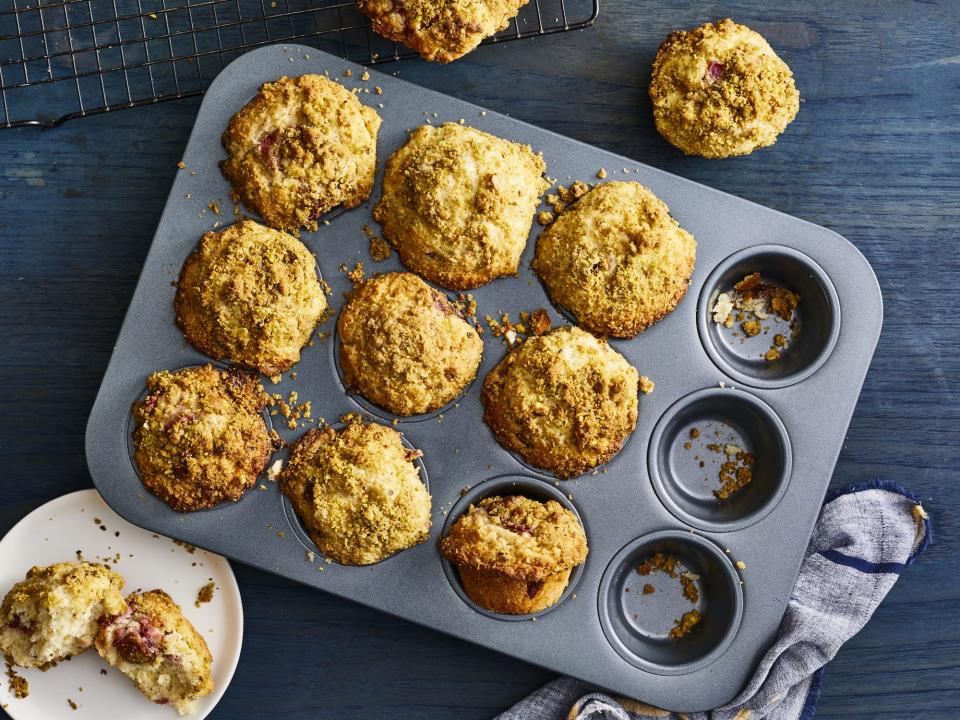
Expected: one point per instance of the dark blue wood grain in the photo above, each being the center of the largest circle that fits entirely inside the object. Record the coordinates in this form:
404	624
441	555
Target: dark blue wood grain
873	154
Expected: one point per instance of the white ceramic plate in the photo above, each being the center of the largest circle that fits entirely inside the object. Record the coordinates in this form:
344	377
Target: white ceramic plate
54	533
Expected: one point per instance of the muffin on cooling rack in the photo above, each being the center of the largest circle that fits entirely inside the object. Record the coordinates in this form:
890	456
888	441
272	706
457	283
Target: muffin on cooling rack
55	612
514	554
564	401
405	346
199	436
458	204
440	30
154	645
720	90
300	148
616	259
357	492
251	295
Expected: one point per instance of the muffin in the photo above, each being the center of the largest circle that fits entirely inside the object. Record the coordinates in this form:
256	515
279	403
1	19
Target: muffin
440	30
301	147
616	259
55	612
564	401
199	436
458	204
514	554
404	346
720	90
154	645
357	492
250	294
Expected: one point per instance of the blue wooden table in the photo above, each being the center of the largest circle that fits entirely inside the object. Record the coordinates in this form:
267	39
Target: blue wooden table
874	154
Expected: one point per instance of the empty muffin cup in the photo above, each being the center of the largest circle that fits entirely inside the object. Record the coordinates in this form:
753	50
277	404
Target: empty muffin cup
670	602
558	588
720	459
761	347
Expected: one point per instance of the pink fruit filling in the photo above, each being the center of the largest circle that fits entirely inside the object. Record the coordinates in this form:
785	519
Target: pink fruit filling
517	528
137	637
715	71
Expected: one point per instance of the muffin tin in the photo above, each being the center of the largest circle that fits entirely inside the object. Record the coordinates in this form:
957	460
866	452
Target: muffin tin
791	414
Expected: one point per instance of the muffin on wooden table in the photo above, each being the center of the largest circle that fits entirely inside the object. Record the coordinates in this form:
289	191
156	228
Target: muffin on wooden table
251	295
55	612
153	644
404	346
300	148
440	30
514	555
458	204
199	435
720	90
564	401
357	492
616	259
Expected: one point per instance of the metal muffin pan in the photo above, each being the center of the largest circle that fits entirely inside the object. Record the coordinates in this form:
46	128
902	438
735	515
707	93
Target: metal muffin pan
794	415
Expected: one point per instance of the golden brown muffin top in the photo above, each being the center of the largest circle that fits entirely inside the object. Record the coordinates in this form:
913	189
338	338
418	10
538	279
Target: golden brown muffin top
405	346
199	435
357	491
720	90
564	401
84	583
518	537
616	259
301	147
458	204
250	294
440	30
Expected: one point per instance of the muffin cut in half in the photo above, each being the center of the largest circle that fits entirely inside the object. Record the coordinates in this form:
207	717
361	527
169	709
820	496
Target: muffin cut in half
251	295
55	612
199	436
458	204
301	147
404	346
153	644
564	401
720	90
440	30
616	259
357	492
515	555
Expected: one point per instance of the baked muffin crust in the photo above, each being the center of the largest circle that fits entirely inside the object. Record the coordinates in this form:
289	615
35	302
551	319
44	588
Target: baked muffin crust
404	346
153	644
720	90
564	401
458	204
301	147
515	554
357	492
440	30
199	436
616	259
250	294
55	611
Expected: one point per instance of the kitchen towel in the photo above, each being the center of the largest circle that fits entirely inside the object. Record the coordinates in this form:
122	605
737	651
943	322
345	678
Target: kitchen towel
866	535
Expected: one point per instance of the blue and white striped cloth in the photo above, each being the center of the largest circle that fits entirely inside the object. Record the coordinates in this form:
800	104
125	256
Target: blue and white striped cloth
866	535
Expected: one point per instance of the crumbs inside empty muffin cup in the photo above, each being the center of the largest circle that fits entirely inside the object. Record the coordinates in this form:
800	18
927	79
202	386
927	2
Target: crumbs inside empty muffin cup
768	316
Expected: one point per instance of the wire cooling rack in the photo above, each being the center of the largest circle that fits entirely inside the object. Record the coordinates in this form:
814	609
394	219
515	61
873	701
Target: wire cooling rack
63	59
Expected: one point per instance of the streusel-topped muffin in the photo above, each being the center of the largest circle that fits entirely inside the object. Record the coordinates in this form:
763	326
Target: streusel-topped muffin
514	554
301	147
720	90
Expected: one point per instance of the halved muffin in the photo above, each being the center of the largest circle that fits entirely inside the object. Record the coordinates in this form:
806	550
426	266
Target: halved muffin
514	554
55	612
153	644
